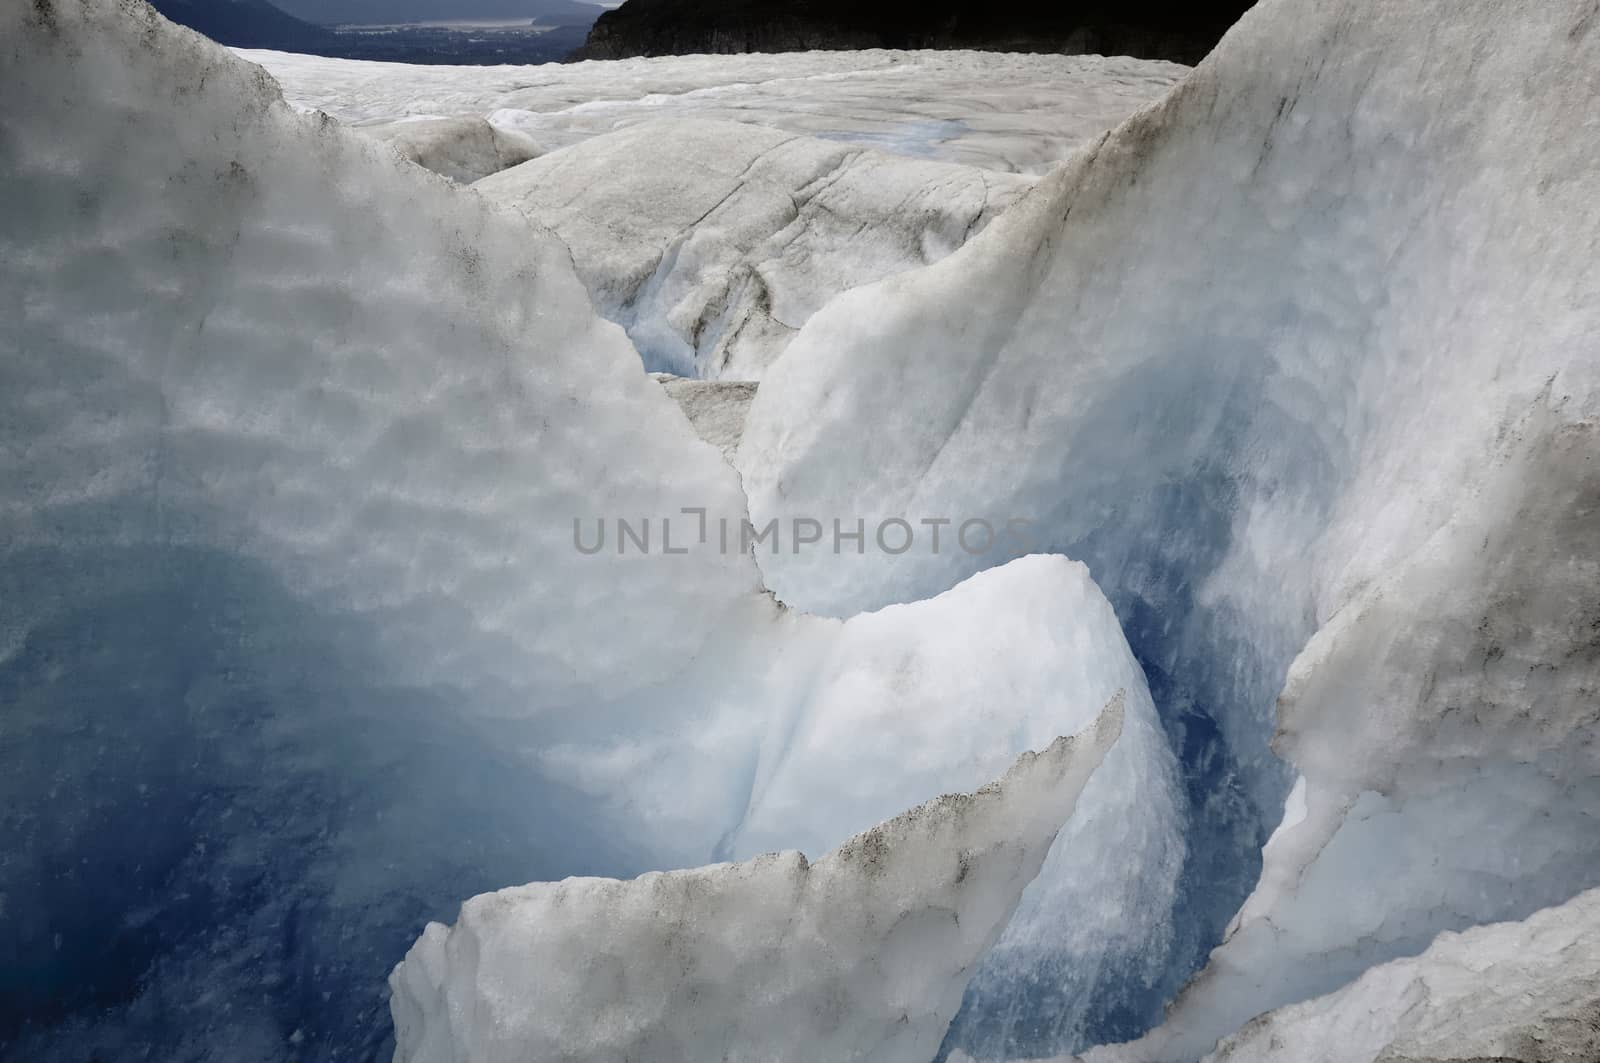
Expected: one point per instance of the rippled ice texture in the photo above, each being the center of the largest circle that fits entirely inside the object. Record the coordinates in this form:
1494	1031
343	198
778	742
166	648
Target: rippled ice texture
1016	113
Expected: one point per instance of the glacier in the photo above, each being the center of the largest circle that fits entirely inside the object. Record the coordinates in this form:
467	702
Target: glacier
299	647
860	955
296	645
281	598
1301	361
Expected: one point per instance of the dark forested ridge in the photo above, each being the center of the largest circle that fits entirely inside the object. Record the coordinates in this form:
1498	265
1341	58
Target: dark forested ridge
408	31
246	24
370	12
1155	29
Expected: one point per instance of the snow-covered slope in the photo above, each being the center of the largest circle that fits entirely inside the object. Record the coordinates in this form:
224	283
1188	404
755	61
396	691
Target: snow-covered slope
1019	113
715	253
1524	992
861	955
1311	344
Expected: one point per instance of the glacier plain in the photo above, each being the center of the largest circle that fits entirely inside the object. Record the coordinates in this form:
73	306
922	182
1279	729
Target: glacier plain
716	254
1011	113
1301	360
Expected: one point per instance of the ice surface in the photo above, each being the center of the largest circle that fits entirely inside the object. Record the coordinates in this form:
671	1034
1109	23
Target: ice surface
1019	113
463	149
1310	344
716	408
860	955
1525	991
715	253
297	646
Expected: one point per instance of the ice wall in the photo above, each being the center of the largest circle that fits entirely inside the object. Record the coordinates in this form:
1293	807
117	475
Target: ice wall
286	569
1310	344
899	693
1523	991
1445	722
860	955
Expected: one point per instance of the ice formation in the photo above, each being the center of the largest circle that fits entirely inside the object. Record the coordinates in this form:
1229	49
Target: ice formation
297	645
286	499
714	254
899	692
1307	348
464	149
1016	113
861	955
1528	992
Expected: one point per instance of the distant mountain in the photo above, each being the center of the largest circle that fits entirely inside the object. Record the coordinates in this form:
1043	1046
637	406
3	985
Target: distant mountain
259	24
1154	29
380	12
246	24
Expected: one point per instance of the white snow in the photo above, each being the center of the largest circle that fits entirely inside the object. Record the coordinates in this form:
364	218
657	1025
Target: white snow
861	955
1019	113
715	253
